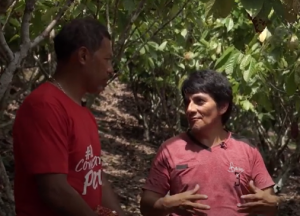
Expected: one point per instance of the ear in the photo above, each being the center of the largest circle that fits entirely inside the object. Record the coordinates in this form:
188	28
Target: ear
83	55
223	108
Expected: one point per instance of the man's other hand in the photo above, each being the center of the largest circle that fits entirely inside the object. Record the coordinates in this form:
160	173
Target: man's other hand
260	202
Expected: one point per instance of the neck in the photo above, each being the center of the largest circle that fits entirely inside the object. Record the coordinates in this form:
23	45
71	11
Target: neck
70	82
210	137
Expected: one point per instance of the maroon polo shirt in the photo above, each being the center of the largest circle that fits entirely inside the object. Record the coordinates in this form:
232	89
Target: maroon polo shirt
223	172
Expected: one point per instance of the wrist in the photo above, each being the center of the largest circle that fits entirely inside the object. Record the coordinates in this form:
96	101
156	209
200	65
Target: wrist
164	204
277	203
280	201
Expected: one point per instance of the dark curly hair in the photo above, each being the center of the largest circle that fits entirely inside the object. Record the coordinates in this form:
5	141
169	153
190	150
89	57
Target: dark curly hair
212	83
86	32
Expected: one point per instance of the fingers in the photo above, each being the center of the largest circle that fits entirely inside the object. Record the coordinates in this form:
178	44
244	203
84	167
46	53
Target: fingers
190	212
195	190
196	212
252	187
248	210
196	206
196	197
249	197
250	207
249	204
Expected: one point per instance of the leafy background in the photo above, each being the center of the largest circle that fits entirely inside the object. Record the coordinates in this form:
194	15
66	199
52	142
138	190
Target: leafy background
156	44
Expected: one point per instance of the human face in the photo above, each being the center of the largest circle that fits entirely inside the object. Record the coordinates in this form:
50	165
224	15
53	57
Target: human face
98	67
202	111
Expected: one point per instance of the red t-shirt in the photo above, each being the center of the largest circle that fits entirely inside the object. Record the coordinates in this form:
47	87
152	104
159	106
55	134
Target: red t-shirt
53	134
222	172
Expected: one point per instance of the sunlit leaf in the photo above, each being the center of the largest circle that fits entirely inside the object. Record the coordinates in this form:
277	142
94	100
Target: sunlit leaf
253	7
163	46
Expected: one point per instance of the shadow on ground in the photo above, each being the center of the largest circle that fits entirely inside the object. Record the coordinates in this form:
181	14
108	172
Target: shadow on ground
127	158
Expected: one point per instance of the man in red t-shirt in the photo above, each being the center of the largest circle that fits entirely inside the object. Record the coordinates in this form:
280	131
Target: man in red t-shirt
207	169
58	166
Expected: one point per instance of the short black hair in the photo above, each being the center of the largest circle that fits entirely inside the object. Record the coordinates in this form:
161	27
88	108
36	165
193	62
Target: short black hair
87	32
212	83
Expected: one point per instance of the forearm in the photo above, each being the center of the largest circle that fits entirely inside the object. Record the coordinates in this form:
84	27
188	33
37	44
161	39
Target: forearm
276	203
67	202
109	199
153	206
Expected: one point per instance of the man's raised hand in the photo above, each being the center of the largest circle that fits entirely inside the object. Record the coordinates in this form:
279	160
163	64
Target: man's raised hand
259	202
186	203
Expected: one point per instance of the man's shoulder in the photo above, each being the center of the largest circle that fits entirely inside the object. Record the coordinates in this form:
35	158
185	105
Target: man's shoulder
43	98
242	141
174	143
45	94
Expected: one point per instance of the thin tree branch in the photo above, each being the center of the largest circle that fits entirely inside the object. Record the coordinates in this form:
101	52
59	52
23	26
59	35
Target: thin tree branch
42	69
29	7
4	4
98	9
5	124
159	29
114	21
5	180
107	16
52	24
4	46
141	37
10	13
126	32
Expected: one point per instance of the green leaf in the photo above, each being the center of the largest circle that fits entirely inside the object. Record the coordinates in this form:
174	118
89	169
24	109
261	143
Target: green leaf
264	101
163	46
252	7
184	33
153	44
174	10
50	12
278	8
231	63
247	75
235	88
14	38
129	5
142	51
181	81
92	7
245	62
159	79
246	105
224	58
229	24
265	10
15	22
219	8
290	85
151	63
181	65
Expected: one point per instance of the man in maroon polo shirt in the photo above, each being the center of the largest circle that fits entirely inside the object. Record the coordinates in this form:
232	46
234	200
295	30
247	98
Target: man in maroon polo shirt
208	169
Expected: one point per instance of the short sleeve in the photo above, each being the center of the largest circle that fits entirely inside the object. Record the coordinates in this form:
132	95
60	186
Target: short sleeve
260	174
159	177
41	138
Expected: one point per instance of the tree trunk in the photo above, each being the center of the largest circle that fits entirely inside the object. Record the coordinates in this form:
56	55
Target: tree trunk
6	208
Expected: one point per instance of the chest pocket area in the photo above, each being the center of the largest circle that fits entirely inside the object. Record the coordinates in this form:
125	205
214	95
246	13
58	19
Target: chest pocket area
186	174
